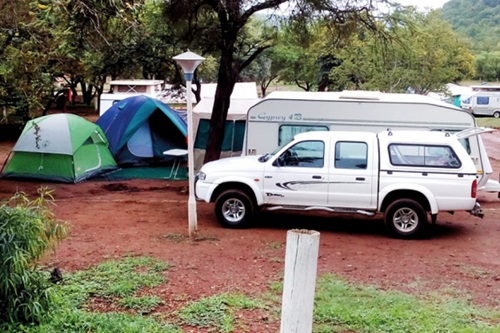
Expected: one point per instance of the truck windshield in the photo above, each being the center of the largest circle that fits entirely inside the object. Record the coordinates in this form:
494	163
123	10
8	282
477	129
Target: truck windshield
267	156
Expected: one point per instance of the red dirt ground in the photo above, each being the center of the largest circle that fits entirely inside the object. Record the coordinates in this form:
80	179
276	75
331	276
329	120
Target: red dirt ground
149	217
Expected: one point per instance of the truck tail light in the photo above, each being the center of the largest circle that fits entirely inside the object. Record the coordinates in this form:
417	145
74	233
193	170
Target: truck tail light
473	189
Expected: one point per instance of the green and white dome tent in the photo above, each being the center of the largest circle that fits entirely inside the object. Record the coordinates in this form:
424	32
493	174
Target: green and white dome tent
59	147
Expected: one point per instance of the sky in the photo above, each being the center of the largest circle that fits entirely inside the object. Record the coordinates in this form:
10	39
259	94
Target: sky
423	4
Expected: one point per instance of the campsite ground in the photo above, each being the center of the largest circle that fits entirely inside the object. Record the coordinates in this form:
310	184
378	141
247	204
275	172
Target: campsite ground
111	219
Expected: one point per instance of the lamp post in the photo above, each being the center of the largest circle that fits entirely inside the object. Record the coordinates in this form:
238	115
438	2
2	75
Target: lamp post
189	61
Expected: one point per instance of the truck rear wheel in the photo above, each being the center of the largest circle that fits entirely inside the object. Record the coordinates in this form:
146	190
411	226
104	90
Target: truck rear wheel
406	218
234	209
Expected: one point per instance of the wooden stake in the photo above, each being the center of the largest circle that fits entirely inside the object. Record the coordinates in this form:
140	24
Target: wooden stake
301	261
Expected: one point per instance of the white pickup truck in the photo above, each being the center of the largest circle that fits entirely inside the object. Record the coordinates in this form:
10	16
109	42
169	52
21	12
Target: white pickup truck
405	175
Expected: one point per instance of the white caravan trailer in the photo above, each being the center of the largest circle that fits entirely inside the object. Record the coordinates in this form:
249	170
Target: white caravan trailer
282	114
482	103
121	89
232	143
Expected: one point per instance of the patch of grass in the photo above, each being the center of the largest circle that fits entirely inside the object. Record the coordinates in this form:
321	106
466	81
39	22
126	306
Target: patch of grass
80	321
115	281
277	287
142	305
276	259
120	278
176	238
275	245
488	122
179	238
340	306
217	312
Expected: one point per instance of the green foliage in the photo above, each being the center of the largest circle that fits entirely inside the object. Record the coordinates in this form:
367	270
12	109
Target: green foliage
216	312
488	66
114	283
142	304
28	229
264	69
26	78
117	279
342	306
479	21
422	54
297	53
70	320
339	307
488	122
476	19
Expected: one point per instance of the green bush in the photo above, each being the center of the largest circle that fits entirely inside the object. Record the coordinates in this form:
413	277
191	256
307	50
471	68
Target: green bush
28	228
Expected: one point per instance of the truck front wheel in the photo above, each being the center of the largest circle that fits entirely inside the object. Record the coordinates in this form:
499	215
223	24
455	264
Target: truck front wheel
234	209
405	218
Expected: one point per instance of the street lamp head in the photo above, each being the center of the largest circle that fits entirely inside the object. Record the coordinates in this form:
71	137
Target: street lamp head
188	61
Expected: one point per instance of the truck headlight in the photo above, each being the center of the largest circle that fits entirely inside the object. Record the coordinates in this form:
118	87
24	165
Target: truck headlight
202	175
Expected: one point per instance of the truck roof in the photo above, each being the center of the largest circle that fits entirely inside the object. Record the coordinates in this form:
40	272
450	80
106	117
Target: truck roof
357	95
401	136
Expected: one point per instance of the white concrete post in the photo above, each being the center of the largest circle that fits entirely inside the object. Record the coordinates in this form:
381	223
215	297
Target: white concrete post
301	262
189	61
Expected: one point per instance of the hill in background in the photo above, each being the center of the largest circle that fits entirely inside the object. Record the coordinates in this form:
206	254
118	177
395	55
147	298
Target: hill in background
479	20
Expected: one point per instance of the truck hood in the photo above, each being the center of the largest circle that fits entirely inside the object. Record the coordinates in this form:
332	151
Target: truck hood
240	164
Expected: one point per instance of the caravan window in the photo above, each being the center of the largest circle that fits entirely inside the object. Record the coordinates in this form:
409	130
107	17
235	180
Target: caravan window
483	100
287	132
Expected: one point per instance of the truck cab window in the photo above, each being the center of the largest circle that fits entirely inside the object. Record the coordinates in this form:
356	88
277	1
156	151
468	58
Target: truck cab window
307	154
351	155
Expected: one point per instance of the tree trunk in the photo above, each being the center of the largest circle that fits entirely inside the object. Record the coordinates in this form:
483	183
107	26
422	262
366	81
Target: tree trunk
226	80
197	91
225	85
322	85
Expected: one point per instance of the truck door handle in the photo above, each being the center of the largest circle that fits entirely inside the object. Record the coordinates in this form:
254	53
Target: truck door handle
316	177
360	178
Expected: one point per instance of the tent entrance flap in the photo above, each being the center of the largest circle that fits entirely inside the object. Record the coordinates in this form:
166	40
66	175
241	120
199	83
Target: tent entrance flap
141	144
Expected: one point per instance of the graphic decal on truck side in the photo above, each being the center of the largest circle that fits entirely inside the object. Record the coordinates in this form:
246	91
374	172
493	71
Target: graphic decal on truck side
286	186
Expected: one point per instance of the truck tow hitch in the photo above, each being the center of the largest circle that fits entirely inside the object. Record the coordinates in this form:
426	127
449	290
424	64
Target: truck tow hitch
477	211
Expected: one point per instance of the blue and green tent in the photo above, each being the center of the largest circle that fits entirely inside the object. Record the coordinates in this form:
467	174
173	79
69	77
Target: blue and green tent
141	128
